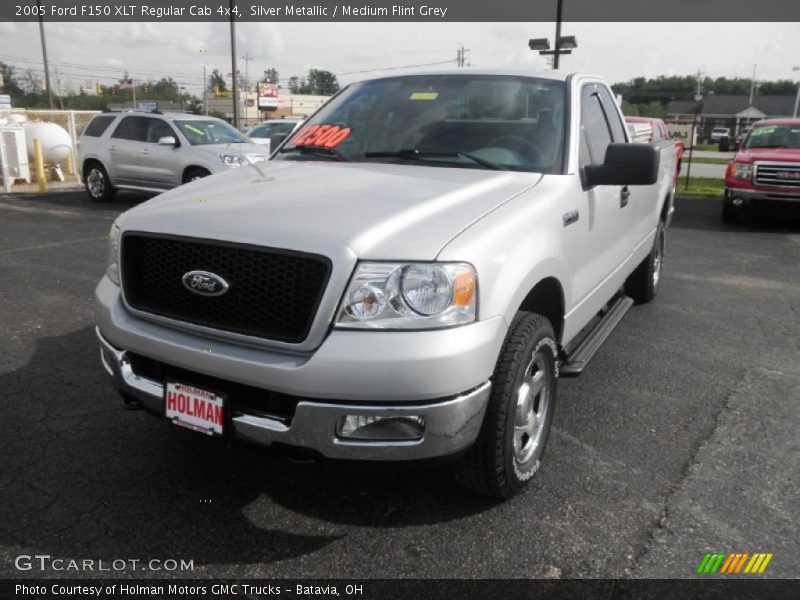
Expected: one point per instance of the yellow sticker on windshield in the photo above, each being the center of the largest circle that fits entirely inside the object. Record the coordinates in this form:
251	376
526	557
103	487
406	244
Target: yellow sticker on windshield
194	129
424	96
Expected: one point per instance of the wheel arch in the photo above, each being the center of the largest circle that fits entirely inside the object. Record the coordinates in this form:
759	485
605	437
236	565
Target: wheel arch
546	298
193	167
88	161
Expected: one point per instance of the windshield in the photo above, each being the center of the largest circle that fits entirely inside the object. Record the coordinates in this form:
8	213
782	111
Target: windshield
267	130
774	136
472	121
200	132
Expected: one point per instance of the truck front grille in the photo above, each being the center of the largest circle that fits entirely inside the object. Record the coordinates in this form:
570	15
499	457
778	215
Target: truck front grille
273	294
781	175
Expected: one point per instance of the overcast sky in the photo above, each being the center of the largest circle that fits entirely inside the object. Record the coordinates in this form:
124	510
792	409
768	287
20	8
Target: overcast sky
86	53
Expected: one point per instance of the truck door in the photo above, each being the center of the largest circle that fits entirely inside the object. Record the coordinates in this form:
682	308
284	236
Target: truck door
599	240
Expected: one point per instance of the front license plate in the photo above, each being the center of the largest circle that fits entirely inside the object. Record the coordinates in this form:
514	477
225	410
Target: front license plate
194	408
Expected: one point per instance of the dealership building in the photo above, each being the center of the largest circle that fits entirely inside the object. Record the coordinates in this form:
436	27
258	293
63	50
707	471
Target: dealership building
735	112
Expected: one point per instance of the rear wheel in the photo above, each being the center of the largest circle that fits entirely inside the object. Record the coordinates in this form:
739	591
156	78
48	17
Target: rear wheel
642	284
511	443
98	186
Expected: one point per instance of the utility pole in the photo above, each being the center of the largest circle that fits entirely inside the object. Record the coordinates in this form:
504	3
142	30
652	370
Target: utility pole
753	85
205	91
234	89
246	58
58	87
461	56
133	89
44	57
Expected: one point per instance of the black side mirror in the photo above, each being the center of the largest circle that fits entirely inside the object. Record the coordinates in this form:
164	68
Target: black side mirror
276	140
625	164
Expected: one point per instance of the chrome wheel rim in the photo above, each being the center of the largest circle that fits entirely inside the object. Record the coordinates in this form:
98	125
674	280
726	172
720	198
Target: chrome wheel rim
532	406
658	258
95	183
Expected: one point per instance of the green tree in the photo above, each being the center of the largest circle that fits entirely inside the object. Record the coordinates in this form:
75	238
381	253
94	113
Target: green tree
216	80
296	84
271	75
321	83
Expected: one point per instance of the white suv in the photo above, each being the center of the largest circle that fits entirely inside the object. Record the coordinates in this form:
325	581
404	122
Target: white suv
153	151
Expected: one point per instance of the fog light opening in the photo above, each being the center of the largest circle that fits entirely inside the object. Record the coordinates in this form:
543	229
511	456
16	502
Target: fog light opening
381	428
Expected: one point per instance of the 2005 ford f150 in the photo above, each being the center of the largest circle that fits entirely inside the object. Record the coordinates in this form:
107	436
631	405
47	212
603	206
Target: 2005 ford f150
405	279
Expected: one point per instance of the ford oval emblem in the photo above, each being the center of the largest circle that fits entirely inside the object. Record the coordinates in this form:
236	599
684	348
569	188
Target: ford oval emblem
204	283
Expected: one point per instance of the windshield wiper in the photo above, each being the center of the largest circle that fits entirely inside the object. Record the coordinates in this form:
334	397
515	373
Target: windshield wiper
316	151
417	154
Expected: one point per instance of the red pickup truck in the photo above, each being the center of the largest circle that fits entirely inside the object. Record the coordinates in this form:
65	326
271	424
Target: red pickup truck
765	172
649	129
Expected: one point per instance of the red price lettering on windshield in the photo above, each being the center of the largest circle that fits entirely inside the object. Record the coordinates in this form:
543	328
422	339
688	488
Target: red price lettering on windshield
323	136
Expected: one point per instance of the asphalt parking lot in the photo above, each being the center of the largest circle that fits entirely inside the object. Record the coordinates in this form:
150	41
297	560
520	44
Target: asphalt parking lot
680	439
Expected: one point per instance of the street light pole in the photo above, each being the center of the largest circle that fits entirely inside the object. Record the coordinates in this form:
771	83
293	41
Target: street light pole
557	54
563	44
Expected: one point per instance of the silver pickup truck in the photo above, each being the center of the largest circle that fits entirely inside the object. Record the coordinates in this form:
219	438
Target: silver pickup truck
406	278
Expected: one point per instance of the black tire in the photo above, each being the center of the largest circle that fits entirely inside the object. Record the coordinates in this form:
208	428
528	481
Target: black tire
193	174
642	285
97	183
730	214
492	466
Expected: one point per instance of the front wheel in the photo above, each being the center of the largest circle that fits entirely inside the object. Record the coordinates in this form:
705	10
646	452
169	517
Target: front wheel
513	435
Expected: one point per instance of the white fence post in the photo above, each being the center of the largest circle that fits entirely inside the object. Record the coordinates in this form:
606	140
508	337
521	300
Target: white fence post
4	164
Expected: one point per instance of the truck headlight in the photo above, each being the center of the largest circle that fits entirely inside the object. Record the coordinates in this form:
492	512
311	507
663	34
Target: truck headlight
409	296
112	266
233	160
743	170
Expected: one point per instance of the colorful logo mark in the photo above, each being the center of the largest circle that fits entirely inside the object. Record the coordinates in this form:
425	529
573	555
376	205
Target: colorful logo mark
734	563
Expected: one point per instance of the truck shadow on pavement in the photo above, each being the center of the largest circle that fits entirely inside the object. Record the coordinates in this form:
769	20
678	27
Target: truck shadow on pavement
84	478
705	214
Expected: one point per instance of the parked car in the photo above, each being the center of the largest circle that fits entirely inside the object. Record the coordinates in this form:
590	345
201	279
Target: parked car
653	130
406	279
718	133
263	132
154	151
765	173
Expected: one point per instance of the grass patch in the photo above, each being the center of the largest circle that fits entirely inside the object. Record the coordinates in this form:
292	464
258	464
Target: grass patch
708	147
698	160
701	186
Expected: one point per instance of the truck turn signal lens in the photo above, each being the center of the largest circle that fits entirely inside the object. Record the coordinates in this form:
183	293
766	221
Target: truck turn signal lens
464	288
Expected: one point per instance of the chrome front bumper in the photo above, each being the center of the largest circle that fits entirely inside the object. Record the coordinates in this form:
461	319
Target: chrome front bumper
451	425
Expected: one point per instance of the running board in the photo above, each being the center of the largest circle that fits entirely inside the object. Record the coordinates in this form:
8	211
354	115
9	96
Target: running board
576	362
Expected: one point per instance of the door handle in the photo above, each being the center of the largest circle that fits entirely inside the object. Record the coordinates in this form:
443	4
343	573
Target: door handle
571	217
111	148
623	196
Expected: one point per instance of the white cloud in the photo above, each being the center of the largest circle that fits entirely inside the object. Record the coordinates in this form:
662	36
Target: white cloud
617	51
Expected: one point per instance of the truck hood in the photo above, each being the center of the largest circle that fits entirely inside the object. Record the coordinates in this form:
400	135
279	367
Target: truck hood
375	210
769	154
